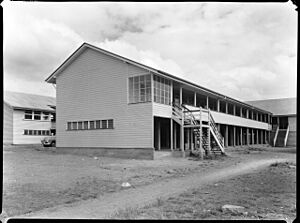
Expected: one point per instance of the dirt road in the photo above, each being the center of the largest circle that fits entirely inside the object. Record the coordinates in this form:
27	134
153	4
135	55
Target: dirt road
106	205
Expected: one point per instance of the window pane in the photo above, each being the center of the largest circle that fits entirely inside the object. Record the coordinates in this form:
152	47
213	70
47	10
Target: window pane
98	124
29	132
92	124
43	132
79	125
110	123
39	132
74	125
27	116
69	126
86	124
104	124
25	132
34	132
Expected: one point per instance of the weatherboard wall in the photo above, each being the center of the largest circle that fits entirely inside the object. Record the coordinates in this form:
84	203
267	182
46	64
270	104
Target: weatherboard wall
7	124
94	87
19	124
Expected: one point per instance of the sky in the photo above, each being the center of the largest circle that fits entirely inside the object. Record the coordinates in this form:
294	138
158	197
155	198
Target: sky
247	51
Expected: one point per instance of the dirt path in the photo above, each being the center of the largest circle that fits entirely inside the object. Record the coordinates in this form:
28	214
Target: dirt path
108	204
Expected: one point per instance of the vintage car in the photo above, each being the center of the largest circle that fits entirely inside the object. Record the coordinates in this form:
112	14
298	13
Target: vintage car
49	141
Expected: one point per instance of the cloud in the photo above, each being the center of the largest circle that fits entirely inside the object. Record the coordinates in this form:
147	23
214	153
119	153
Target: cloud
242	50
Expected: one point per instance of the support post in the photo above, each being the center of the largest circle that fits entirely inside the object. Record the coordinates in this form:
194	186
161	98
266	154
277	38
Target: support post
188	139
257	136
171	134
234	135
226	136
180	95
182	134
175	137
195	99
252	135
241	134
158	135
208	135
200	135
247	136
262	137
218	105
226	107
207	103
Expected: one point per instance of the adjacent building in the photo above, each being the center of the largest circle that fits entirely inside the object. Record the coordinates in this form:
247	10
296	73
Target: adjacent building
283	121
107	104
27	118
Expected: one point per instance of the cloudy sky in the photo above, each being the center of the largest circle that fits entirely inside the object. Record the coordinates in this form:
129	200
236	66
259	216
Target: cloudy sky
246	51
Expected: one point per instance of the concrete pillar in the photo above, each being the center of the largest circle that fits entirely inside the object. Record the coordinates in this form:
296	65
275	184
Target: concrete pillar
171	134
175	137
234	135
247	136
226	136
158	135
241	135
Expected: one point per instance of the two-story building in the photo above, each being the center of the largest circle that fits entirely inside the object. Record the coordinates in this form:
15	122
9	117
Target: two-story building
107	104
27	118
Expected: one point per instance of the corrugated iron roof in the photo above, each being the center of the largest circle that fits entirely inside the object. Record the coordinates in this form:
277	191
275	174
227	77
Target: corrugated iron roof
29	101
281	106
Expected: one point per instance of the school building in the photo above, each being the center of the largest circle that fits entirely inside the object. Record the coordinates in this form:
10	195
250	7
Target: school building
109	105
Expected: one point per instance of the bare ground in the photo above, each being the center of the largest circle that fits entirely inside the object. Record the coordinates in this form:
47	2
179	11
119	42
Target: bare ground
36	179
269	193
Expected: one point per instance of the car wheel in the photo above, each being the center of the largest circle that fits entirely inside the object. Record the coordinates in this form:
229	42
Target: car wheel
53	144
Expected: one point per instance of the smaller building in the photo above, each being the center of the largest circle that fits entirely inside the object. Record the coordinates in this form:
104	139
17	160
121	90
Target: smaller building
284	132
27	118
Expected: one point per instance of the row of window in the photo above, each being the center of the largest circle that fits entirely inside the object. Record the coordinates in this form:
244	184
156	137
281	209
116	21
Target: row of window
89	125
162	90
140	89
38	115
36	132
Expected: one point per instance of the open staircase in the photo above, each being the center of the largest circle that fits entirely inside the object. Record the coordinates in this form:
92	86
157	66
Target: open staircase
207	136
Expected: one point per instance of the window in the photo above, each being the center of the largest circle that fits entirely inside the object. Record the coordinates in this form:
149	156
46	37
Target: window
140	89
36	132
86	124
28	115
92	124
39	132
162	89
74	125
69	125
46	116
98	124
80	126
43	132
53	117
95	124
26	132
37	115
104	124
30	132
110	123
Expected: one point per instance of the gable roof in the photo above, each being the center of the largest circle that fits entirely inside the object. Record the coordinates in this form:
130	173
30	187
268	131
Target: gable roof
29	101
281	106
76	53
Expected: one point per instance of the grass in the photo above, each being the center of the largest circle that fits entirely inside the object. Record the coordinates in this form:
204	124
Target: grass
267	194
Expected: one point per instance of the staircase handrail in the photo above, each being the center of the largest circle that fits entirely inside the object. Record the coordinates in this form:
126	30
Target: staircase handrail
177	109
213	125
286	135
276	134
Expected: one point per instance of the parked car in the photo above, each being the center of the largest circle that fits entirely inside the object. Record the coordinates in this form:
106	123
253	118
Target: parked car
49	141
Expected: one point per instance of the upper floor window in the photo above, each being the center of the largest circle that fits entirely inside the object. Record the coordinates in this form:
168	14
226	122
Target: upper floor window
161	90
28	114
36	115
140	89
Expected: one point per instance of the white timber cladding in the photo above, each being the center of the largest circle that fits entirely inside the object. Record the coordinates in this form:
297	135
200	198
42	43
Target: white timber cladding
95	87
19	125
162	110
7	124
